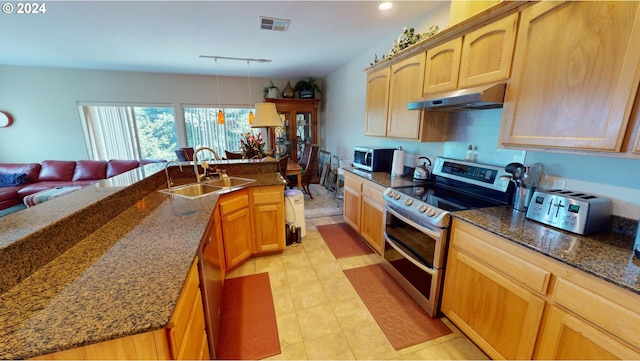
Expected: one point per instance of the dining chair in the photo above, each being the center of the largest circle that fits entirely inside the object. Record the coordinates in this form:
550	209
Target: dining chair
308	162
232	155
185	154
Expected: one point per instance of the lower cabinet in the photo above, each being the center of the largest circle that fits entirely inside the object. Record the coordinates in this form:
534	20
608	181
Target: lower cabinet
517	304
364	209
352	200
184	338
268	218
236	223
500	315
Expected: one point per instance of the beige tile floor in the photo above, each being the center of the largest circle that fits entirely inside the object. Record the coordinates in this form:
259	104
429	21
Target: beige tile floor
321	317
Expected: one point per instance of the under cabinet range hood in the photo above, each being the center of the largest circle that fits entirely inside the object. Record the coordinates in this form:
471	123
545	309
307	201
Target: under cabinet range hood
475	98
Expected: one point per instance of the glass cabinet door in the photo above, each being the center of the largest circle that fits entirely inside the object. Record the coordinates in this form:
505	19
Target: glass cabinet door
283	135
304	133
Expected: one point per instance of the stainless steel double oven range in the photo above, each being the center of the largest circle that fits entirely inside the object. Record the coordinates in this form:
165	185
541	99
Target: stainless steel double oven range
417	223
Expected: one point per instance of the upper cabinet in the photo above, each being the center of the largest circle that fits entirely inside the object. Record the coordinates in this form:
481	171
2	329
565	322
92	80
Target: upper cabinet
487	52
443	67
377	103
479	57
405	85
575	75
388	92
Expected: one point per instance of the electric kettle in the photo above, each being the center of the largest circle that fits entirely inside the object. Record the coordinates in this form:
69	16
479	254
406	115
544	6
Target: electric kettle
422	173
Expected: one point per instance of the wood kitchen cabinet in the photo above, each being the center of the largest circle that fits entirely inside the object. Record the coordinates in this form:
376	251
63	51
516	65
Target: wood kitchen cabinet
516	303
352	200
184	338
576	70
496	312
364	209
388	92
300	120
377	103
479	57
267	204
237	232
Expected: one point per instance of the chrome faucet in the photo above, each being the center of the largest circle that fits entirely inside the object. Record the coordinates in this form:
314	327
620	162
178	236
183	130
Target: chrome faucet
195	163
166	172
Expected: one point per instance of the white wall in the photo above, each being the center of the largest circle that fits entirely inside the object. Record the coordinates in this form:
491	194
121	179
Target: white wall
615	178
44	103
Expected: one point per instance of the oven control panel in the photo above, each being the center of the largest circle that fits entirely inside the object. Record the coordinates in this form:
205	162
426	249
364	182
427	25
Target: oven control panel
418	211
572	211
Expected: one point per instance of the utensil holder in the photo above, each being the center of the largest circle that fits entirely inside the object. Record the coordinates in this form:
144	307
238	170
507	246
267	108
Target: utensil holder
521	198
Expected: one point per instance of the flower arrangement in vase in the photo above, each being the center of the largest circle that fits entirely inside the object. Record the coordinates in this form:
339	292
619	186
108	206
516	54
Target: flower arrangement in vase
252	146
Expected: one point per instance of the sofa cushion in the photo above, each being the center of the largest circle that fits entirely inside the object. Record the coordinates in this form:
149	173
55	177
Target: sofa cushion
8	193
57	170
117	166
90	170
32	170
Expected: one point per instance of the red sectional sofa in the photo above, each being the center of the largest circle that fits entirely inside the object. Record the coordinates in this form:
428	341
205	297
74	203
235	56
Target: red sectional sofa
59	173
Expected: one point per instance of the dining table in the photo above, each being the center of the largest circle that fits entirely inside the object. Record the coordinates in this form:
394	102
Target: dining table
294	168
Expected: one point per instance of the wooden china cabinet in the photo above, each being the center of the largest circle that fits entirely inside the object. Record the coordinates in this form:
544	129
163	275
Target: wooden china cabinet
300	119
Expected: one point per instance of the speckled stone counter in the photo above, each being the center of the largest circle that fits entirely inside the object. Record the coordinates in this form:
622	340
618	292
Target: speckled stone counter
606	255
123	278
381	178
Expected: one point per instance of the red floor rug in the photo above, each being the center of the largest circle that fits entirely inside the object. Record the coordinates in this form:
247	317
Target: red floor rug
343	241
248	328
398	315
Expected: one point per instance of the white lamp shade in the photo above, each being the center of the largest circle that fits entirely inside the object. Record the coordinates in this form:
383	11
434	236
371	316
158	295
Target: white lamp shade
266	116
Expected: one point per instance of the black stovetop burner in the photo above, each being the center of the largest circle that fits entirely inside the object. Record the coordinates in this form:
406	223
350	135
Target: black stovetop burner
453	196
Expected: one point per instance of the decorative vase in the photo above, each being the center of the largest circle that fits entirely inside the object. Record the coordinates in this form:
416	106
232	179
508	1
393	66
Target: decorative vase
272	93
307	94
288	91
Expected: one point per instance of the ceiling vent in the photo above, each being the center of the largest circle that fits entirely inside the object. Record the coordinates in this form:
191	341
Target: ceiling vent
274	24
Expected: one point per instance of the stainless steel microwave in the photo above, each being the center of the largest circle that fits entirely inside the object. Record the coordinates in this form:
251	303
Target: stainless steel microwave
373	159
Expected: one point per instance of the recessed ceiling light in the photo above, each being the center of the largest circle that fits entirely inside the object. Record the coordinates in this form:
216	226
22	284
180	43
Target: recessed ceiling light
385	5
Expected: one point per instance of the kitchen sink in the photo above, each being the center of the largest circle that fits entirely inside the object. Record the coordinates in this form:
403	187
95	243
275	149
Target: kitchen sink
229	182
192	191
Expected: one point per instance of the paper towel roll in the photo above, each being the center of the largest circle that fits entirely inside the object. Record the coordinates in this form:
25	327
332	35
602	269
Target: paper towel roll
397	165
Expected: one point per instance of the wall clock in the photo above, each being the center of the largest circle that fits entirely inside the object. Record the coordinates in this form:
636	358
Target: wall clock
5	119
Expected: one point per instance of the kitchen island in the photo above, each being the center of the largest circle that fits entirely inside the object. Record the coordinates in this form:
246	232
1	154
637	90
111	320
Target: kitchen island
122	279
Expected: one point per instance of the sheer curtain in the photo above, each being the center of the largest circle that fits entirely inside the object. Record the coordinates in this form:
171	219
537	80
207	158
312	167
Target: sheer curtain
111	132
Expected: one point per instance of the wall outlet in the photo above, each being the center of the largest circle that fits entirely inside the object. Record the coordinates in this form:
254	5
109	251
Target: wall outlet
559	183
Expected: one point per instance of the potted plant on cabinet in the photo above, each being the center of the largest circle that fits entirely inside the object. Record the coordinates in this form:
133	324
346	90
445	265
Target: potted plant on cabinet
306	88
271	90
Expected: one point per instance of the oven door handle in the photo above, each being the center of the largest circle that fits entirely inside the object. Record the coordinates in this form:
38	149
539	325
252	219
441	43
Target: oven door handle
409	258
424	229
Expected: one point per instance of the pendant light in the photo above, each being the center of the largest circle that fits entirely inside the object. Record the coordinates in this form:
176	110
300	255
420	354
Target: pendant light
251	117
220	112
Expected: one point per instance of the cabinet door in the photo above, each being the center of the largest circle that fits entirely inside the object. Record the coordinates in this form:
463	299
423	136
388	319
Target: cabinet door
442	67
567	337
496	313
407	78
352	201
575	74
487	53
236	227
372	217
377	103
268	212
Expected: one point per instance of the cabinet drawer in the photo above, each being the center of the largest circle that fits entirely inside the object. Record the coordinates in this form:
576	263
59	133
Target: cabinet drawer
180	318
612	317
234	202
269	196
528	274
373	194
352	184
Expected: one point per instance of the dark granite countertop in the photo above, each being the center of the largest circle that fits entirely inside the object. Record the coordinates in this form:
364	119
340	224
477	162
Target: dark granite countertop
606	255
124	278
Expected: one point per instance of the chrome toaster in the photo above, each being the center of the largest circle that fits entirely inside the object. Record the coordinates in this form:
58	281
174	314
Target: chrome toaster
575	212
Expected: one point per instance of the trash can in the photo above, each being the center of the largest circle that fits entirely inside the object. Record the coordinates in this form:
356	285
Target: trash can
294	209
